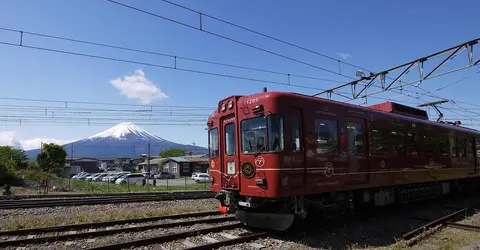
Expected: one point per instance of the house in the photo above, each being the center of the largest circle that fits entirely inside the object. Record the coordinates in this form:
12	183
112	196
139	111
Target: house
185	166
154	165
77	165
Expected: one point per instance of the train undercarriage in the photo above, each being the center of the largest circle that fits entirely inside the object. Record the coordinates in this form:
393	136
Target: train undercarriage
280	214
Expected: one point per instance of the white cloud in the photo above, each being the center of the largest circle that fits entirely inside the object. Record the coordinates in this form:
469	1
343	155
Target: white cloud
344	55
8	138
137	86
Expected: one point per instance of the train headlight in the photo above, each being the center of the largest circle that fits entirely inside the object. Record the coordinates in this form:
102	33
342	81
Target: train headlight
230	104
223	107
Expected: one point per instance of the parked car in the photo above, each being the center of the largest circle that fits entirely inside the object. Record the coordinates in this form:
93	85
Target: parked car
114	177
84	176
106	177
129	178
164	175
201	177
79	175
90	177
99	177
194	174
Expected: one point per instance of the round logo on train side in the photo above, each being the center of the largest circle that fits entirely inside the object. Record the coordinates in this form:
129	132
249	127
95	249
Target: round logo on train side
259	161
328	169
248	170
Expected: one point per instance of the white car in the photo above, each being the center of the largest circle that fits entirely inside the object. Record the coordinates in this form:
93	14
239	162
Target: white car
129	178
201	177
194	174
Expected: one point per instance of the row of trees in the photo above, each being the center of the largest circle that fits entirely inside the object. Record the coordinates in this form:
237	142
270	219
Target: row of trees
51	159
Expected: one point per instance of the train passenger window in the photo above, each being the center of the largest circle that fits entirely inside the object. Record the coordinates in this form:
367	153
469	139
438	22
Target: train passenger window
461	145
470	148
355	137
413	144
327	138
255	138
230	139
398	143
295	135
379	140
213	143
275	133
453	147
443	144
430	145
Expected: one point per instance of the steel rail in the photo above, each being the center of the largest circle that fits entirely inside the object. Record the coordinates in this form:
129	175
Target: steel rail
464	226
16	205
111	231
440	221
105	194
102	224
169	237
229	242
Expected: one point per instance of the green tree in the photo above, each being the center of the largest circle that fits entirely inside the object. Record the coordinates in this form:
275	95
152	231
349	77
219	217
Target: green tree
172	152
12	158
33	165
52	158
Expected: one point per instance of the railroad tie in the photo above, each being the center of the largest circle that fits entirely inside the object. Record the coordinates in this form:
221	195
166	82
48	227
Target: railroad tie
228	236
188	243
209	239
256	245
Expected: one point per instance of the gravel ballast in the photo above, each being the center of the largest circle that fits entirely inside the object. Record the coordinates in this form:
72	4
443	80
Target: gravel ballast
12	219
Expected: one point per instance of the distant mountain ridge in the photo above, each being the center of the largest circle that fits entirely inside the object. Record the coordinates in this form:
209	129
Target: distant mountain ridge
123	140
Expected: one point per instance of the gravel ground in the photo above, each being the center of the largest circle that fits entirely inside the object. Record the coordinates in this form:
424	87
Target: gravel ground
117	238
11	219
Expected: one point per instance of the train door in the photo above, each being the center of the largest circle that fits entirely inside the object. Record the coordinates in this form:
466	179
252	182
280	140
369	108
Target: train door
297	151
358	166
230	168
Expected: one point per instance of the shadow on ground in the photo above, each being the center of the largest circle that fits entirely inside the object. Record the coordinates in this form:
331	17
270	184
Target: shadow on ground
367	230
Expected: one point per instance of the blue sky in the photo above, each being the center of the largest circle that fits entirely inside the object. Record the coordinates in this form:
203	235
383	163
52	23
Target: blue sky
375	35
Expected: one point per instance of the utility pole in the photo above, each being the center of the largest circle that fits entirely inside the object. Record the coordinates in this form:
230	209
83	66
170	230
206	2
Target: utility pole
133	152
41	147
148	158
71	151
193	143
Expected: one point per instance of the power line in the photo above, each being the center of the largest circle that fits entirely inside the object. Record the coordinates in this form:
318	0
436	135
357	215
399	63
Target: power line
160	66
264	35
201	14
175	57
229	39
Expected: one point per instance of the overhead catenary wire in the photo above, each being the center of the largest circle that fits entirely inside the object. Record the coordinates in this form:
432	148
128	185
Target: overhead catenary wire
246	29
176	57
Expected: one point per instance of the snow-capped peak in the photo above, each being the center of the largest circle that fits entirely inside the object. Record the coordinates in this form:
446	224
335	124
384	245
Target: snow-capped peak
123	129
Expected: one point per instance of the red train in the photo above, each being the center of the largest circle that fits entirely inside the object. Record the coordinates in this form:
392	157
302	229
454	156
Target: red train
278	156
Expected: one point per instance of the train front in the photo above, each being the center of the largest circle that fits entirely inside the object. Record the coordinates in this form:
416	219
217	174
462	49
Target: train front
245	141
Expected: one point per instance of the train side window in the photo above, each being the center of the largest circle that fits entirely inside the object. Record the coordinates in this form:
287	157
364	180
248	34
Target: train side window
295	135
379	140
213	143
470	148
430	145
398	142
461	144
453	147
413	144
355	137
230	139
327	136
443	145
275	133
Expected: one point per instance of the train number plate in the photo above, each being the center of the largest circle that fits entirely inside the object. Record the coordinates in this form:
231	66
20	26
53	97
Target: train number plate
230	167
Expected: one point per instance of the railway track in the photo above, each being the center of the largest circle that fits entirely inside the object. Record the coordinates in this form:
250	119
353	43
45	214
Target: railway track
211	222
34	203
95	195
417	234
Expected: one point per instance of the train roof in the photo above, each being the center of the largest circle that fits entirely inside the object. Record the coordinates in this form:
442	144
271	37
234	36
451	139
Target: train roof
411	118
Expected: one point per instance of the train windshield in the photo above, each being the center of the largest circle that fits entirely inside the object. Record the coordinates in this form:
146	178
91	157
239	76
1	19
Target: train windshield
213	142
255	137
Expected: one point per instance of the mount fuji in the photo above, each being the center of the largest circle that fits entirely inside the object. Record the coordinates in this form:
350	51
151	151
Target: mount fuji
123	140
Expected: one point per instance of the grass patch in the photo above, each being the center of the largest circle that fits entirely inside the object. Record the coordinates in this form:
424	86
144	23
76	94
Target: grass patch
24	222
102	187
